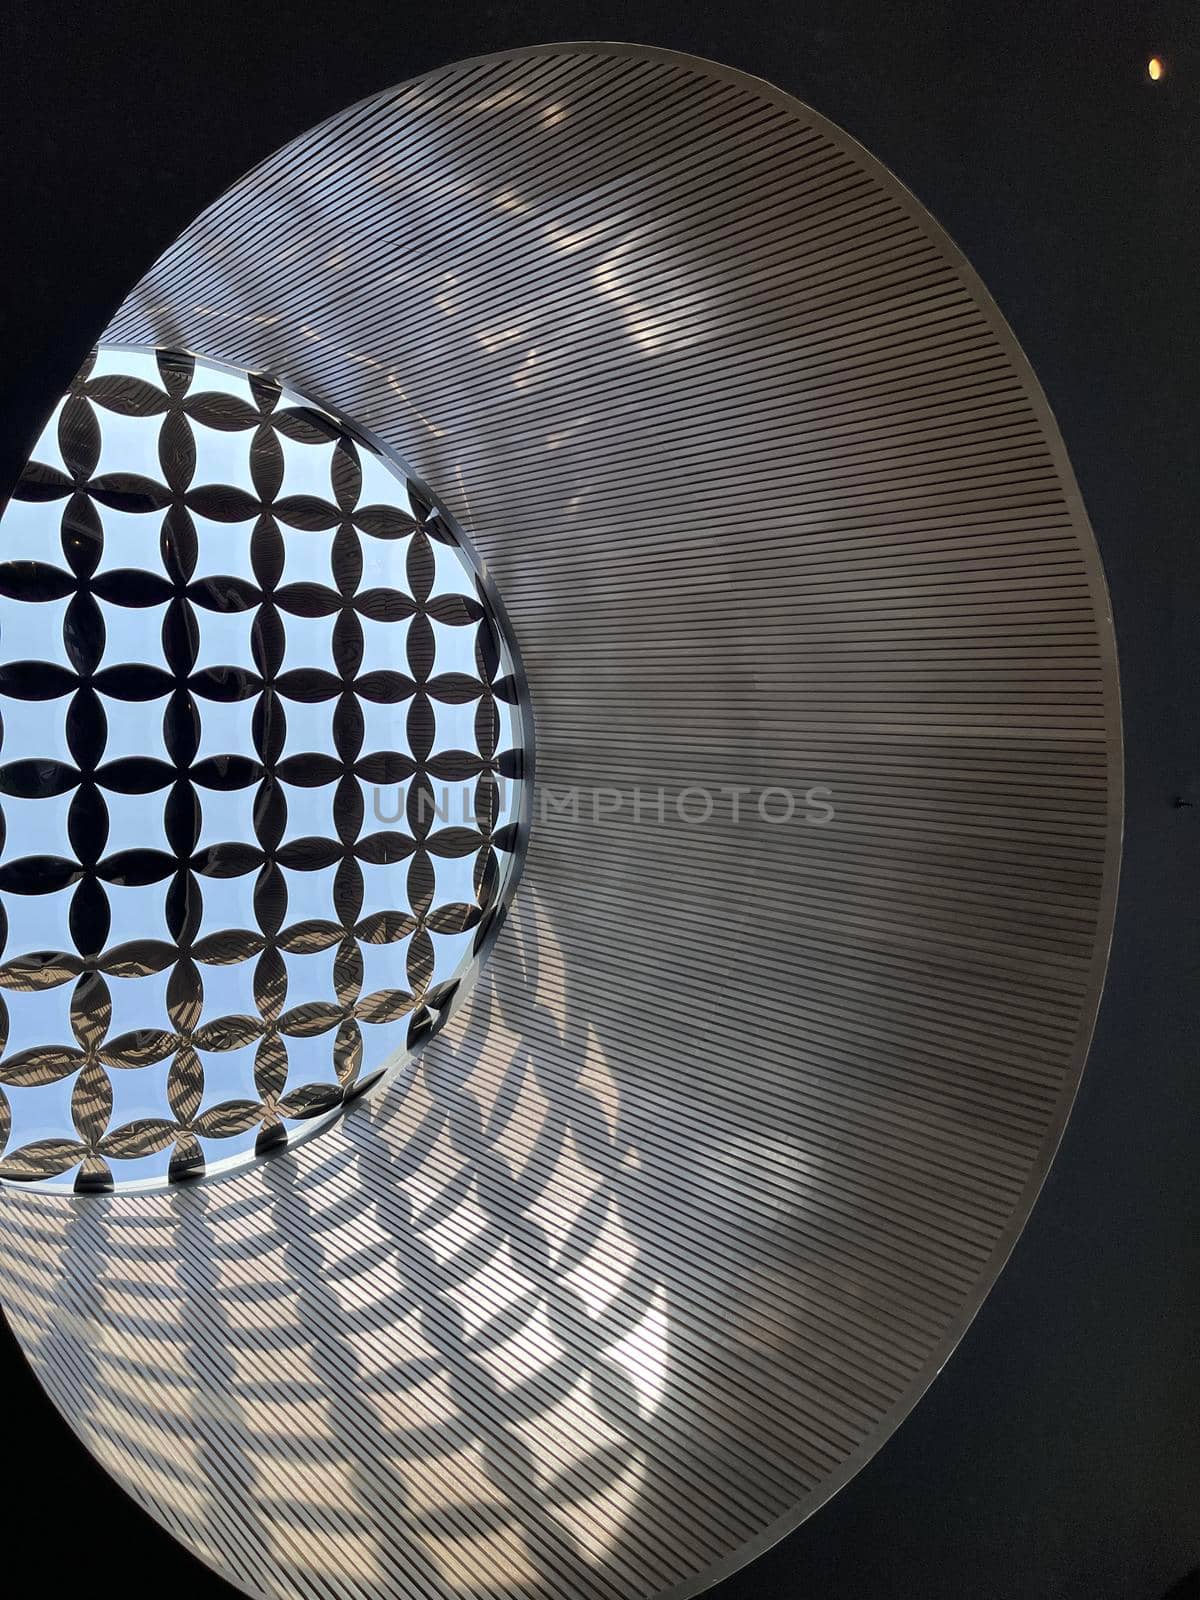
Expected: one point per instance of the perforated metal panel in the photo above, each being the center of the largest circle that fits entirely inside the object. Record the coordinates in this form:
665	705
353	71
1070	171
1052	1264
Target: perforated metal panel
210	689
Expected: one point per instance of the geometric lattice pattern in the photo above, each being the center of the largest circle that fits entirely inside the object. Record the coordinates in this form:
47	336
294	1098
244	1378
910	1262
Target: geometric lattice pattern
260	775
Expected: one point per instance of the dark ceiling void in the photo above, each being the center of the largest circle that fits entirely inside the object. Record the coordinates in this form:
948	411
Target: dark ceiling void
1055	1454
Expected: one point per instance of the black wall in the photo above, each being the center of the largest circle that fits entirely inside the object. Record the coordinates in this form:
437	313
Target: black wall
1059	1453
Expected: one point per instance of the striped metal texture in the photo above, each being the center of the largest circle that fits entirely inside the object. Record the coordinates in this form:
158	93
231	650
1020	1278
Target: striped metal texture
684	1212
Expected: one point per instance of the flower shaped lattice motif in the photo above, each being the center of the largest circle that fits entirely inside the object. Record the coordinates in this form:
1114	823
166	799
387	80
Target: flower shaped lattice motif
260	774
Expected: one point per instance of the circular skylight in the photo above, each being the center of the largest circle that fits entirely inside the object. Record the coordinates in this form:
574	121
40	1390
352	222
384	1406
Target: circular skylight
260	774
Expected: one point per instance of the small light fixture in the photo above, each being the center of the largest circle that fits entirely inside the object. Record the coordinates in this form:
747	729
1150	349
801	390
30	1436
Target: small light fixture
1155	68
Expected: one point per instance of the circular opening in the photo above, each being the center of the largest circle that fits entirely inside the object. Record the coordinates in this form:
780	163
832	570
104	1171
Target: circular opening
261	774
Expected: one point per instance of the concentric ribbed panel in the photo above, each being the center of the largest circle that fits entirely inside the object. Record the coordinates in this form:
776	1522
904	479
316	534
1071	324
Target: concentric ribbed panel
685	1211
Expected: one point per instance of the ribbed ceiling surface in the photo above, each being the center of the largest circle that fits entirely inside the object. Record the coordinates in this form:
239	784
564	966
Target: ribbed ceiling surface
688	1207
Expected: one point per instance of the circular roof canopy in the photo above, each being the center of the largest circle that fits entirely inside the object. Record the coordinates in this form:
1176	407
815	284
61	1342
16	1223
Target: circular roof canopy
681	1215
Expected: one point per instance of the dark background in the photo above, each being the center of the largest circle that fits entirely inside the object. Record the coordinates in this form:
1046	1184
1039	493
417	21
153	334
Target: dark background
1058	1455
